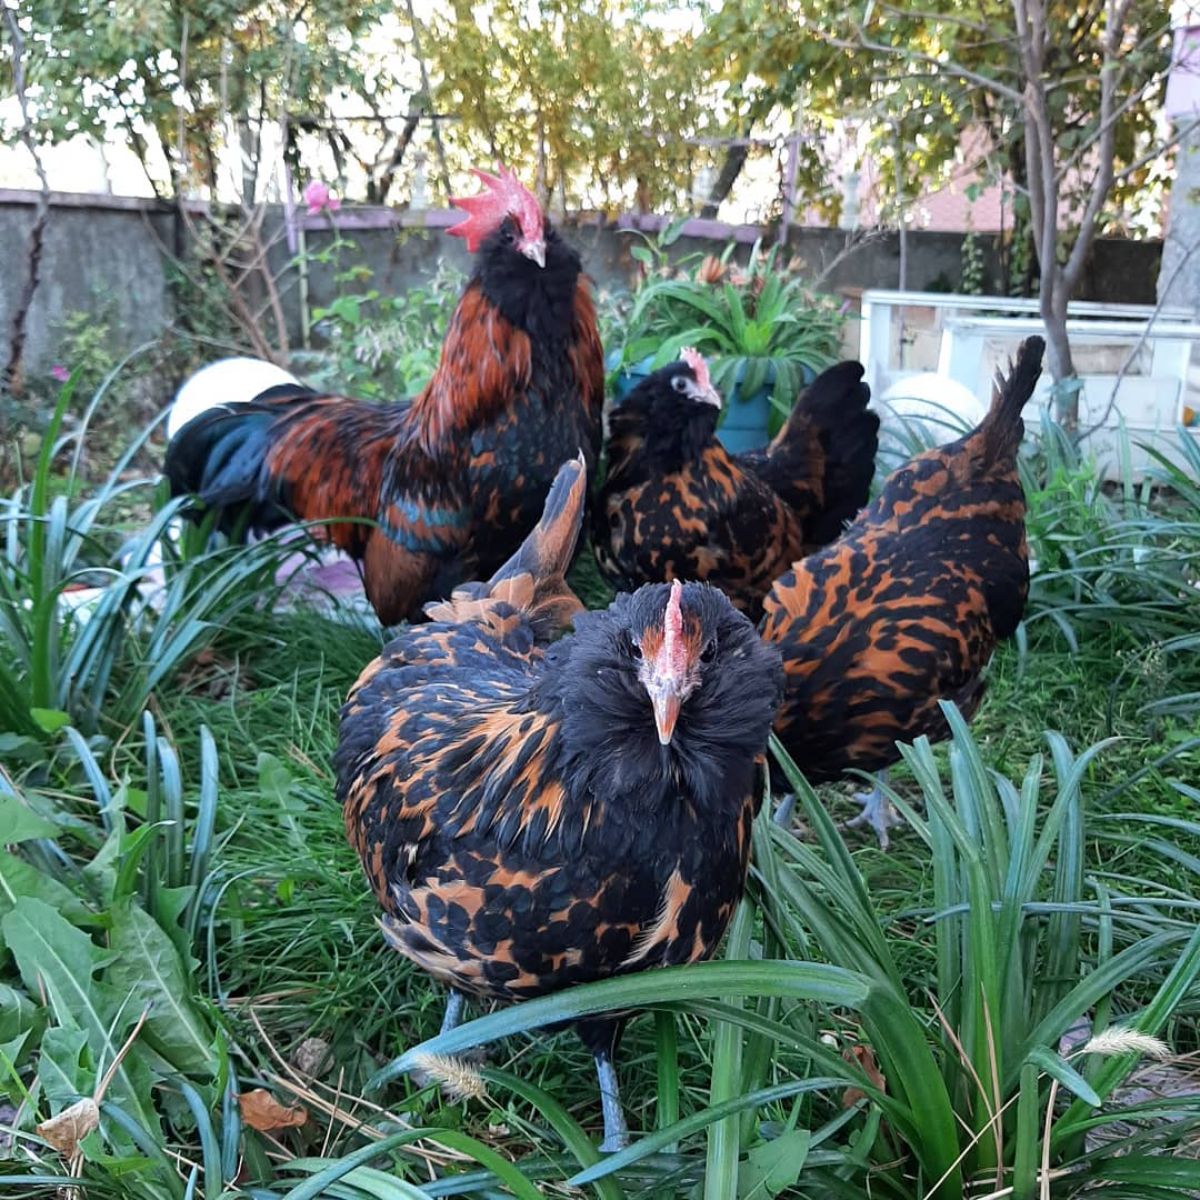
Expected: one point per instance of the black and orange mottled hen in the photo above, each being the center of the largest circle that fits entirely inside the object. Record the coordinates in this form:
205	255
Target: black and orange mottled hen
427	493
677	505
533	815
906	608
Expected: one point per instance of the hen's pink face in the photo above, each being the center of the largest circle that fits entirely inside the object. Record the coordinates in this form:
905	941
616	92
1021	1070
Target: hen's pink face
504	196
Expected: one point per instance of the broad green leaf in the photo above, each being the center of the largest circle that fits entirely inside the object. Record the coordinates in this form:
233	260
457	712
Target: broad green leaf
50	720
18	1014
775	1166
149	971
58	960
13	1053
19	878
19	823
65	1066
695	982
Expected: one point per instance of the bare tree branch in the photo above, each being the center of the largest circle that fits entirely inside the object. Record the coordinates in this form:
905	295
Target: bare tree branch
13	379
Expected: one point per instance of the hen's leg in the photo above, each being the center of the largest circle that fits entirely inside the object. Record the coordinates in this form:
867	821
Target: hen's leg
601	1038
456	1002
787	806
876	811
616	1132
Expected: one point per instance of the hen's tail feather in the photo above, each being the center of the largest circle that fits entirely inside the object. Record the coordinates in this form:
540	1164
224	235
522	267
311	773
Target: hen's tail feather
850	436
1003	427
833	410
534	578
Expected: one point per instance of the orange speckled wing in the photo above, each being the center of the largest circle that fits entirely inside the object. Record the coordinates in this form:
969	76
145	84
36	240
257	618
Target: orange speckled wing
533	583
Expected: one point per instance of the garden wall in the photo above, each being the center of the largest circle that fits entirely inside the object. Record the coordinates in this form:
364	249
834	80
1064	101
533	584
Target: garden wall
107	254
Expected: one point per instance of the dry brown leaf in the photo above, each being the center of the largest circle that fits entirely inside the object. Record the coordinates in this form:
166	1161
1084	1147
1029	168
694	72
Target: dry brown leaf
65	1131
261	1111
865	1057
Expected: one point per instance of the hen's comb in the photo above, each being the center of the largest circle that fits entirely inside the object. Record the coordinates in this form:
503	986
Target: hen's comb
504	195
674	653
695	360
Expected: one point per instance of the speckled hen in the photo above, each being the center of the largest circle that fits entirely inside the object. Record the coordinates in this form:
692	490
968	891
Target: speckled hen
533	815
677	505
907	607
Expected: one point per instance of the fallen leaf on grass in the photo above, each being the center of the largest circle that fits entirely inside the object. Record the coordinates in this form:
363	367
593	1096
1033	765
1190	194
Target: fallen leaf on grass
865	1057
261	1111
65	1131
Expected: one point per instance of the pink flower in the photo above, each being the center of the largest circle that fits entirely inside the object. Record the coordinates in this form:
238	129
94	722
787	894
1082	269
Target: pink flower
59	372
319	199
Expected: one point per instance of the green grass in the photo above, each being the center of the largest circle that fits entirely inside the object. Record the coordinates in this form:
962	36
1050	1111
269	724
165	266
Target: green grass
206	838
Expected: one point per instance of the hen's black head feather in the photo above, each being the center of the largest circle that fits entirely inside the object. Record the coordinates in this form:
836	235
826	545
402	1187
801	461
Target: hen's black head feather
667	411
609	737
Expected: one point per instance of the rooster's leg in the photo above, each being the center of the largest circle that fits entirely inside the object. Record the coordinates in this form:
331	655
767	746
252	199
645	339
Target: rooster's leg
455	1003
876	811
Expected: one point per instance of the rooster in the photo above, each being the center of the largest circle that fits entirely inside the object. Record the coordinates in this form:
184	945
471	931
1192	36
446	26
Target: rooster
677	505
533	816
907	606
424	493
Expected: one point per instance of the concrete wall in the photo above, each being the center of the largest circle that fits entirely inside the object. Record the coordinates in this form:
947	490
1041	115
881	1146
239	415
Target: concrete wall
103	251
93	259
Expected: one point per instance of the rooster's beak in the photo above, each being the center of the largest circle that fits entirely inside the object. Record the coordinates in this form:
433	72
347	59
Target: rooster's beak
535	251
666	701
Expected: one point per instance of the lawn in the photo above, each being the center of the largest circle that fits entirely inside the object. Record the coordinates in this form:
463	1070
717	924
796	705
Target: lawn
184	927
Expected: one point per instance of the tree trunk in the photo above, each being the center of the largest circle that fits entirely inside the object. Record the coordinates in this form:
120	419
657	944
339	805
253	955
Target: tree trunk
731	168
1067	384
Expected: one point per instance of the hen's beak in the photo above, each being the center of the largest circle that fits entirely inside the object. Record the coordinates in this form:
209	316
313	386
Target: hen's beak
704	395
535	251
666	701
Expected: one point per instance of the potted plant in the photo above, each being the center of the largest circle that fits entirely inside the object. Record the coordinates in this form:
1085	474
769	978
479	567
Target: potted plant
765	335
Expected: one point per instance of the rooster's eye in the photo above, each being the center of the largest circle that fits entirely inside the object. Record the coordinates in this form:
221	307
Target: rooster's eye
709	652
679	383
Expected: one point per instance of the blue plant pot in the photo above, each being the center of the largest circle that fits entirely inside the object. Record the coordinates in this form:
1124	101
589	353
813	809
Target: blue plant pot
627	378
746	420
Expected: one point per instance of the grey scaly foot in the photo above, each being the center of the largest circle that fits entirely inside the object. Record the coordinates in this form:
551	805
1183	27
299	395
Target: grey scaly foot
616	1132
456	1004
876	812
787	806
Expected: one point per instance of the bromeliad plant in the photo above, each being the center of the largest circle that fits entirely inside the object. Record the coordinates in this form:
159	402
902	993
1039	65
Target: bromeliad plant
759	326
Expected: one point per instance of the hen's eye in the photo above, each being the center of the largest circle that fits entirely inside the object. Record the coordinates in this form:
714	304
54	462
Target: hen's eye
635	648
709	652
508	235
679	383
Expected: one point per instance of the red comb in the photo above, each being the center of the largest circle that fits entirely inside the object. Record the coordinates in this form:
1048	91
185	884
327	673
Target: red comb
504	195
695	360
674	654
